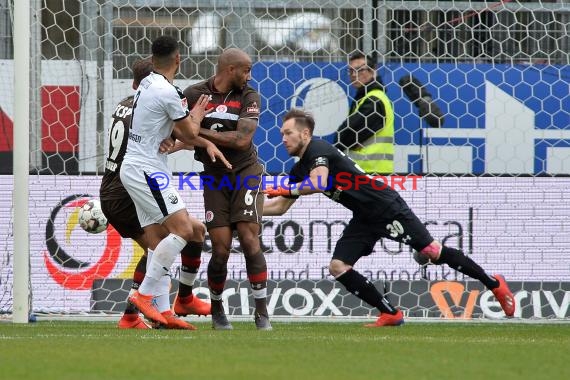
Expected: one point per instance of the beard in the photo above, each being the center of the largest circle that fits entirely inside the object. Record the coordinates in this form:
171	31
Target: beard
296	150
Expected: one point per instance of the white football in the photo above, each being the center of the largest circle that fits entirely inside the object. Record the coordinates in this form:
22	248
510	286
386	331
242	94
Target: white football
91	217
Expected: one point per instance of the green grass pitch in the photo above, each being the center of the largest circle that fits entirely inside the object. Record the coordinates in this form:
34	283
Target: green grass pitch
98	350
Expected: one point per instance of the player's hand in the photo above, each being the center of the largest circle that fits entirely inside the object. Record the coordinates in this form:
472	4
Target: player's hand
166	145
273	192
214	153
199	110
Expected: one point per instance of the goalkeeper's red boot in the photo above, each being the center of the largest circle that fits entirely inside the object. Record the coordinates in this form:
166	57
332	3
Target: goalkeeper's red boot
132	321
191	305
146	306
173	322
504	295
386	319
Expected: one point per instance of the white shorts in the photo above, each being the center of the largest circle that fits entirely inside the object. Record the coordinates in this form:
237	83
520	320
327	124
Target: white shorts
152	193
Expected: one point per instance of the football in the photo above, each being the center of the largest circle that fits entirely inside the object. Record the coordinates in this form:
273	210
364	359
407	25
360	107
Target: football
91	217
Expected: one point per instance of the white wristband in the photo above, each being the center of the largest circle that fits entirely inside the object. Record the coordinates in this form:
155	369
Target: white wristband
294	192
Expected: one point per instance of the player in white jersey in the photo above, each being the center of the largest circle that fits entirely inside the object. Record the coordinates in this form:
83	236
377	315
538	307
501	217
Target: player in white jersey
159	111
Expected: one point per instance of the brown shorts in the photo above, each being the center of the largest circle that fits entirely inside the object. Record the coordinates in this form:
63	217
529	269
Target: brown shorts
232	197
122	215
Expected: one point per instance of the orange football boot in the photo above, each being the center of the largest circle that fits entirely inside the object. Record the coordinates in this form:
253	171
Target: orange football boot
386	319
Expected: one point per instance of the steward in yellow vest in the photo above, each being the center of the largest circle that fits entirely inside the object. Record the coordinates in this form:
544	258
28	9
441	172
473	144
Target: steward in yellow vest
367	135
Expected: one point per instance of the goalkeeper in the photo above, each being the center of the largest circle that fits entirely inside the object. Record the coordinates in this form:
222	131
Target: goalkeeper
376	214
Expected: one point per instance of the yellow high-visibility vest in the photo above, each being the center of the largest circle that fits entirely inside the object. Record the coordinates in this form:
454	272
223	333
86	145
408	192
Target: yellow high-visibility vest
377	153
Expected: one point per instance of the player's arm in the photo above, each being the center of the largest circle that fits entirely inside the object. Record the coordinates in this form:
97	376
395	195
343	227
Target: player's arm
317	182
277	206
201	142
187	129
179	145
240	139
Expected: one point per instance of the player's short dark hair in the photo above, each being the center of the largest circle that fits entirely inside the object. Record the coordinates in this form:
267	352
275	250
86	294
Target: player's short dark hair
141	68
163	49
302	118
370	61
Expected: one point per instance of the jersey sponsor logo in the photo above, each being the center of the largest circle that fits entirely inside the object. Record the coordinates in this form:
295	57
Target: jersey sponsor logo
248	212
111	166
134	137
234	104
222	108
222	116
209	216
253	108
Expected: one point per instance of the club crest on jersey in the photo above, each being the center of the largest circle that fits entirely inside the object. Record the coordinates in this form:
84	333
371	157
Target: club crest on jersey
172	198
217	127
320	161
209	216
254	108
222	108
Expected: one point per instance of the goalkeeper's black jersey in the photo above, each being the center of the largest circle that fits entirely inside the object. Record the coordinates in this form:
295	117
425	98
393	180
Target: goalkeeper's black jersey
111	186
362	198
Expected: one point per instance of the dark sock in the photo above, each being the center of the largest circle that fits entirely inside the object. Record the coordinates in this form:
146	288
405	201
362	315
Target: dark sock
359	285
256	268
458	261
190	257
261	306
217	272
138	277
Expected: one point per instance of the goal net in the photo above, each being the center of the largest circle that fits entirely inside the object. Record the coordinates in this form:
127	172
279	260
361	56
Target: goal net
491	173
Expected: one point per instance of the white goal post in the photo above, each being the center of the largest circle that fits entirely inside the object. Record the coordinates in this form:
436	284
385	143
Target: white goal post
21	307
493	179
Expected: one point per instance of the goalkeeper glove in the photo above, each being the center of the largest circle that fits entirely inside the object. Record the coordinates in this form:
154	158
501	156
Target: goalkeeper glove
280	192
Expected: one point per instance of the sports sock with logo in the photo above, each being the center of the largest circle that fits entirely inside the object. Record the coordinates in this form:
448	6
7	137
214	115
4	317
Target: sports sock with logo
458	261
359	285
161	261
256	267
217	272
190	257
138	277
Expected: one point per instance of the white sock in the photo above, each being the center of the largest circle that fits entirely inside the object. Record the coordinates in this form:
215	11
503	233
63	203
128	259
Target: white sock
161	260
163	294
187	278
259	293
149	284
164	255
149	254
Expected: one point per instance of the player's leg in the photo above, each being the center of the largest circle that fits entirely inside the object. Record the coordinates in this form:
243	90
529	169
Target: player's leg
439	254
246	212
221	238
408	229
152	236
256	267
358	240
217	205
185	302
121	214
156	205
